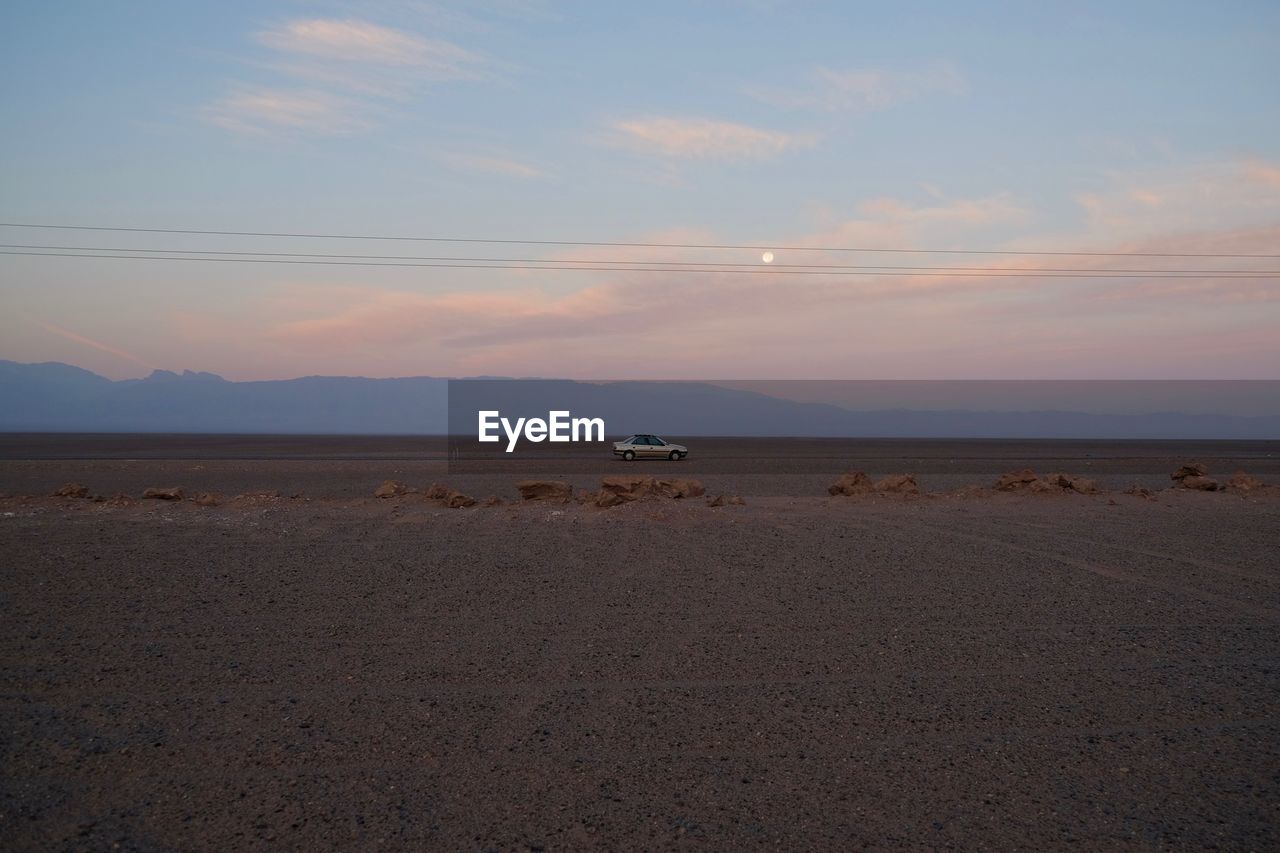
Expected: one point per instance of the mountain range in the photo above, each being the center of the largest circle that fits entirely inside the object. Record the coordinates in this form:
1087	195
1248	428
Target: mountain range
56	397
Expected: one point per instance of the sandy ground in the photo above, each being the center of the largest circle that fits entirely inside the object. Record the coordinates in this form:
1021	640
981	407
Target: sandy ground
335	671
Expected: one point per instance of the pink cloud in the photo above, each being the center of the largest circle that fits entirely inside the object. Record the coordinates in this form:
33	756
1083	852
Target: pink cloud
94	344
765	321
703	138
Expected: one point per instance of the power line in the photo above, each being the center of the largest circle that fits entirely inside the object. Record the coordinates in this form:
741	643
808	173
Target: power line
621	265
652	269
629	244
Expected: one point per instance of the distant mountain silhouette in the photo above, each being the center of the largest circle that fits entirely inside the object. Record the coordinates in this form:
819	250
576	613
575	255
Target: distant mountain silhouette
54	397
60	398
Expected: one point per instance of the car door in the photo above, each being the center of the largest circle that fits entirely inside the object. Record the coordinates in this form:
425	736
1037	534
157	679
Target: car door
657	447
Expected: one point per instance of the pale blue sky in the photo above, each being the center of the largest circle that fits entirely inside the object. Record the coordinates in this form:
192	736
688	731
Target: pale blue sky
1083	126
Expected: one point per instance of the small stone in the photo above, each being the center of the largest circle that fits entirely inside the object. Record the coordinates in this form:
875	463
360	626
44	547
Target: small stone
1191	469
1203	484
457	500
391	489
1016	480
172	493
852	483
1242	482
903	484
545	490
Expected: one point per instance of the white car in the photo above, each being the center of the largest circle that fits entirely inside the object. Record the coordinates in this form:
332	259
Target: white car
646	446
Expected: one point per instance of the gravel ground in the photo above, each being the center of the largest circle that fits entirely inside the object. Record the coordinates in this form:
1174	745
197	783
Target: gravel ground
335	671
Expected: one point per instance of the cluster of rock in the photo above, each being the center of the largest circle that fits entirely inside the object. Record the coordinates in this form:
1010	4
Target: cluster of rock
617	490
621	489
451	498
858	483
1242	482
171	493
1026	479
166	493
1195	475
79	491
545	490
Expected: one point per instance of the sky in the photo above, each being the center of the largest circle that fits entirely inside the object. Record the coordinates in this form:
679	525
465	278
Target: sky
789	127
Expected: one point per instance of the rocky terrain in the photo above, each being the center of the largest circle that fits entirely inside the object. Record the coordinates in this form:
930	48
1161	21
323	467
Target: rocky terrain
921	648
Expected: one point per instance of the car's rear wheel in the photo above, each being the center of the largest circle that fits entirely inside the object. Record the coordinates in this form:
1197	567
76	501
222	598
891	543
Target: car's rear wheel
675	456
629	455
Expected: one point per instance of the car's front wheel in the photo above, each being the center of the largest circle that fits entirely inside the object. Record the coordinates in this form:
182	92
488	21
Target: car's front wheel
675	456
629	455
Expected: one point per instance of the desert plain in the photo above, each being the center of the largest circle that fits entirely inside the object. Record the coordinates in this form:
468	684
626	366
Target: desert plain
301	665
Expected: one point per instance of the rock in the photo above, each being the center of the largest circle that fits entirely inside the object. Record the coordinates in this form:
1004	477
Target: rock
1139	491
1203	484
607	499
902	484
735	500
207	499
258	497
680	488
718	500
162	494
629	487
72	490
436	492
391	489
545	490
1085	486
457	500
1072	483
1041	486
1191	469
1242	482
852	483
1016	480
492	500
633	487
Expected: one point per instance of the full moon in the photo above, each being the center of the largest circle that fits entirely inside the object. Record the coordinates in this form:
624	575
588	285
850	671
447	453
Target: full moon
767	257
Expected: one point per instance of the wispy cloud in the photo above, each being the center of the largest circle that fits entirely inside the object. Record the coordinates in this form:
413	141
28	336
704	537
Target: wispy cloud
703	138
336	73
836	90
264	111
360	43
494	165
702	324
90	342
1232	194
1001	208
1262	172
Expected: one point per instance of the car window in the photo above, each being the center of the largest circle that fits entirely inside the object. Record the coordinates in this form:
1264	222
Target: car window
653	439
642	439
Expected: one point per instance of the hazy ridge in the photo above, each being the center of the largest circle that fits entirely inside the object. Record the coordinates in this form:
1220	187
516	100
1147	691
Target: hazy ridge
56	397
